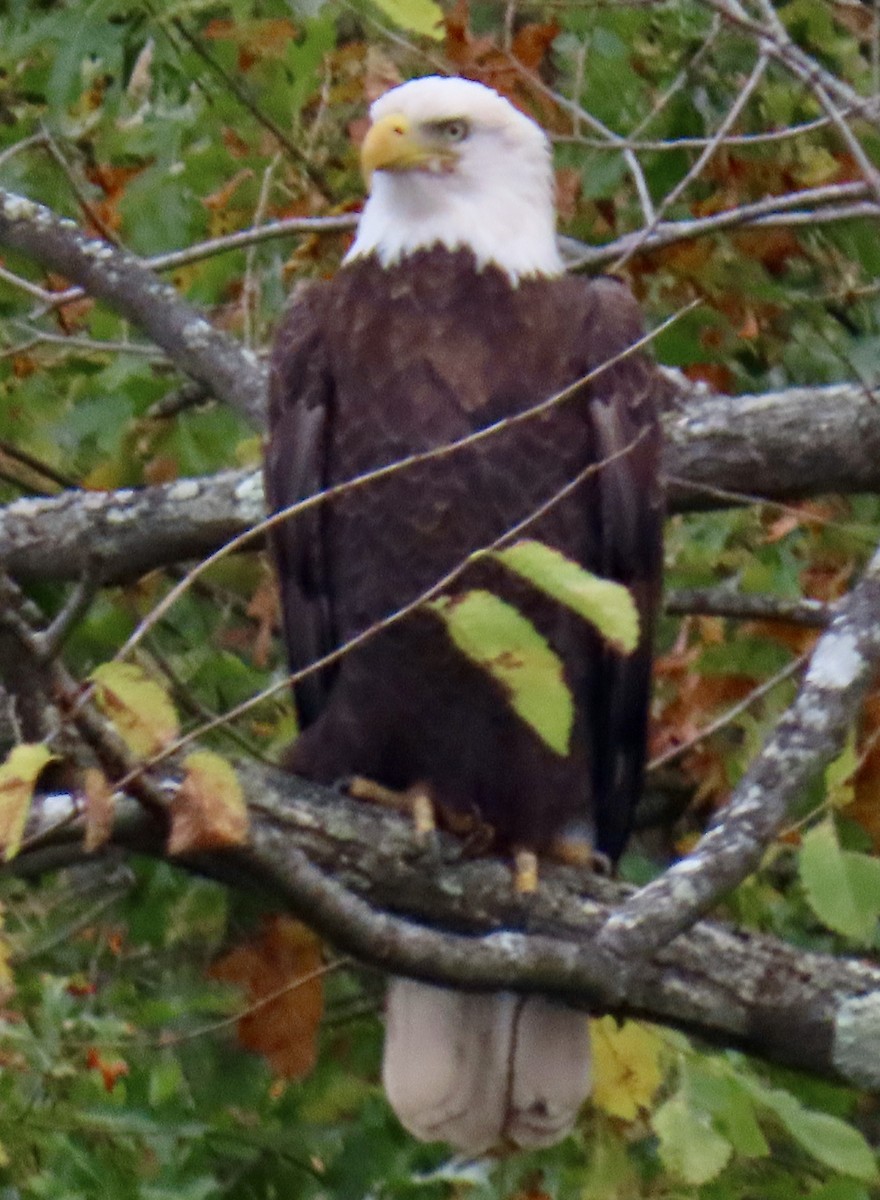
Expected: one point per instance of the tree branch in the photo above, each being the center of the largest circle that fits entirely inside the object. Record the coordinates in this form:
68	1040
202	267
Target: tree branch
121	535
120	279
720	450
359	875
807	736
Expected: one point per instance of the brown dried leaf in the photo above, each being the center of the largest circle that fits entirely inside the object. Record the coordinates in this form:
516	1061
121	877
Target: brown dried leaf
209	811
283	969
262	38
218	200
569	185
264	608
865	809
381	73
100	808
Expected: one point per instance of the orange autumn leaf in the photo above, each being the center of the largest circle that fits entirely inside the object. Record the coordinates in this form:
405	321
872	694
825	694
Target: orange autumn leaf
258	39
865	809
532	43
281	973
219	199
481	57
208	811
164	468
111	1069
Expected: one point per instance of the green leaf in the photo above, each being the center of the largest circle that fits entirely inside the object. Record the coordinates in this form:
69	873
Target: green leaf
828	1139
710	1086
842	886
423	17
839	774
689	1145
606	604
840	1189
497	637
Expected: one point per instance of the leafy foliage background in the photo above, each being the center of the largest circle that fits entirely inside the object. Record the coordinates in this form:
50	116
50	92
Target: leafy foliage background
163	126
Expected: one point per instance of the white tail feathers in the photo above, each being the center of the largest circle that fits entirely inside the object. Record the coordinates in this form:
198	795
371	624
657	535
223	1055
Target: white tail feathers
480	1069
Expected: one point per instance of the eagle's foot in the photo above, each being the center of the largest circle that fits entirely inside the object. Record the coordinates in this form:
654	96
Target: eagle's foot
477	836
525	872
422	809
574	848
415	802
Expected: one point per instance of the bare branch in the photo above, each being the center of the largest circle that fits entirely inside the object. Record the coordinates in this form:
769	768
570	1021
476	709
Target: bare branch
730	119
747	606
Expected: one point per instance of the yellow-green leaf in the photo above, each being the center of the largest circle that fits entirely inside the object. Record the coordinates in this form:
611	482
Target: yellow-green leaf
496	636
209	811
18	775
140	708
689	1144
607	605
627	1069
424	17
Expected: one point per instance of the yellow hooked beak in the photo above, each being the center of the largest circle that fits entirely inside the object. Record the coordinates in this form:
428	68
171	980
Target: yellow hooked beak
393	145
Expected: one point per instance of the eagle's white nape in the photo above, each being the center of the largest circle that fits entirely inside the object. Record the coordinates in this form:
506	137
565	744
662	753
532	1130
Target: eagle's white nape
497	201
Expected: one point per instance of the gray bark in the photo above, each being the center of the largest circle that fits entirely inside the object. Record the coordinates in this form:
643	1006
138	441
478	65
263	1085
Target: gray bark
360	876
720	450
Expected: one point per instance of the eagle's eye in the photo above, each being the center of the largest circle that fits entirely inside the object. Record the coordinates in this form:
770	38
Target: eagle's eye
455	130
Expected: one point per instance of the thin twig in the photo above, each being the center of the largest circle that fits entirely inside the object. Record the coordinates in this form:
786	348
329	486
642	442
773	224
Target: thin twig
730	119
730	714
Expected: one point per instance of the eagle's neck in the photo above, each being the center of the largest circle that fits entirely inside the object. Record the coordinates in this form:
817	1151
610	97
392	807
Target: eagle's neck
512	228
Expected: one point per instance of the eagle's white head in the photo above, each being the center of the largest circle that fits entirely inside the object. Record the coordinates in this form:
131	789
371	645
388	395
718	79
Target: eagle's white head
450	162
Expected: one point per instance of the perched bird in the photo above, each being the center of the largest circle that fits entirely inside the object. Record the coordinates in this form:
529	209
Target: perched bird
453	311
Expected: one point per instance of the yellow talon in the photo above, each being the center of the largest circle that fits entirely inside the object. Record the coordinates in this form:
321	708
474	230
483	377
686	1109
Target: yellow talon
423	813
415	802
525	876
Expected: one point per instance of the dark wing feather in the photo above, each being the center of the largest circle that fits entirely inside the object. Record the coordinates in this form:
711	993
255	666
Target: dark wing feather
300	418
624	410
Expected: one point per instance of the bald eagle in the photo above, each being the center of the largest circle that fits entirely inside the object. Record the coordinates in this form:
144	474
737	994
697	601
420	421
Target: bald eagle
452	311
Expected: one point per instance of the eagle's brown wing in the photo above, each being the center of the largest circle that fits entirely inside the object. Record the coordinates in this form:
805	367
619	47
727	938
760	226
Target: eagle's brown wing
625	411
296	468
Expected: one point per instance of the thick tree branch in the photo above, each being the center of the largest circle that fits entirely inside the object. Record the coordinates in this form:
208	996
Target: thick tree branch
121	535
777	446
120	279
359	875
781	445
